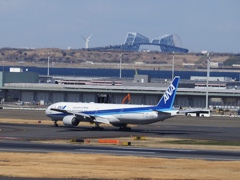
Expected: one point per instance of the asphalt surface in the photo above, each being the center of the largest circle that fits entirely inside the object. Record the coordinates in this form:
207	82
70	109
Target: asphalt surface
118	150
17	137
214	128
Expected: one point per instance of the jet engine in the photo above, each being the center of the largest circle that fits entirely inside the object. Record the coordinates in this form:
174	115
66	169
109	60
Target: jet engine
70	120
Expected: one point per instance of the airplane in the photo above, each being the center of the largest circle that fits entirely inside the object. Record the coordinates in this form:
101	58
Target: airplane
118	115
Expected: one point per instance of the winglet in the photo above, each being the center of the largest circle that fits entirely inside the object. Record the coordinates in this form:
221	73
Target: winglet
168	97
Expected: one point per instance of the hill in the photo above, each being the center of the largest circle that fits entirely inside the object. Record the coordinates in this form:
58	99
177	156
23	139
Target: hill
109	59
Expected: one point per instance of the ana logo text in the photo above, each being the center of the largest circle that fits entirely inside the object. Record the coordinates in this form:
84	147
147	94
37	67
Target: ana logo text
168	93
61	107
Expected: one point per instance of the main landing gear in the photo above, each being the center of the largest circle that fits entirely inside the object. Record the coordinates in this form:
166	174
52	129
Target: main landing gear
124	128
97	127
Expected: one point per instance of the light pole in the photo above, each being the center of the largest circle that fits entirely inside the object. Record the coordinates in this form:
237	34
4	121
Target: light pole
48	66
173	65
120	67
208	74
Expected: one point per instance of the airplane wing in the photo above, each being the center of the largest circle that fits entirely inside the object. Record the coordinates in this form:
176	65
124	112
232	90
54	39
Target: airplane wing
96	119
101	120
73	113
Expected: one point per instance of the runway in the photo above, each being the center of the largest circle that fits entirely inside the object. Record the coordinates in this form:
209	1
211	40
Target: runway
17	146
18	137
214	128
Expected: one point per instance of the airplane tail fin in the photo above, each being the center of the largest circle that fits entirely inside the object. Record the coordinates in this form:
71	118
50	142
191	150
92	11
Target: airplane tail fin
168	97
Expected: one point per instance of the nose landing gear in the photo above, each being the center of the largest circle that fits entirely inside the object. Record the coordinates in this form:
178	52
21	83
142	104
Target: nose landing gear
55	123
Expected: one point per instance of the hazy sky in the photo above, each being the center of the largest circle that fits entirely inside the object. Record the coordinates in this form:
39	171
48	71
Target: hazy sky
212	25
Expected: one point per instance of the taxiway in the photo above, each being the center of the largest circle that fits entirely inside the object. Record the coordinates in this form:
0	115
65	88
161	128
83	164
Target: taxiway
19	137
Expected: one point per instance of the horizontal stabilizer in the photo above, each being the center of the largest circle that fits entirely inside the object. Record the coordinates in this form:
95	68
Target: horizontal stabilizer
161	112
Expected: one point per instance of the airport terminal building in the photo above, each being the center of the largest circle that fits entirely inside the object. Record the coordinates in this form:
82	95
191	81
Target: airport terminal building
31	88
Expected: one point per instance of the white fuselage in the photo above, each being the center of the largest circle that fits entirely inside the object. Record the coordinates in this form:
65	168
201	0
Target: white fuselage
114	113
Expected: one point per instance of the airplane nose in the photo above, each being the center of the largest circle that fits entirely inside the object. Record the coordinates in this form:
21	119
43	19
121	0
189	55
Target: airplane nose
48	111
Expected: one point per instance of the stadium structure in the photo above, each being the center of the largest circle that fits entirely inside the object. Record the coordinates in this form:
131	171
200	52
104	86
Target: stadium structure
167	43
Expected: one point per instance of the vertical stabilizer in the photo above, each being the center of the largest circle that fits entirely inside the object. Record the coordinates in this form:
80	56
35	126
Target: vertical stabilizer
168	97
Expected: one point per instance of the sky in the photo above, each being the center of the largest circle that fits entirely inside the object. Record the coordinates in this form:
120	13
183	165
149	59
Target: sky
212	25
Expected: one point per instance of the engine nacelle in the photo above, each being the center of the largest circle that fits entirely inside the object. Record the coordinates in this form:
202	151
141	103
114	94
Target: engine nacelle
70	120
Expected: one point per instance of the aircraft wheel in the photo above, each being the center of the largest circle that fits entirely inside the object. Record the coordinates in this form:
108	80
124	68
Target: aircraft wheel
125	128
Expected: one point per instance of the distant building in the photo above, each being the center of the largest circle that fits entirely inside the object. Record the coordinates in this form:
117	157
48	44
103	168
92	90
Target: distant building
135	38
17	69
167	43
18	77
